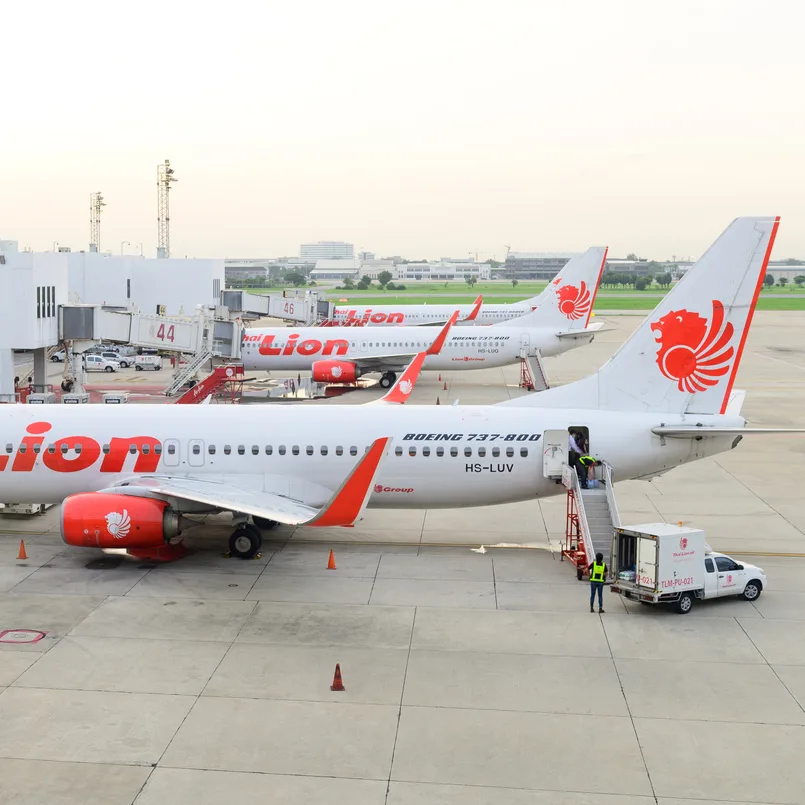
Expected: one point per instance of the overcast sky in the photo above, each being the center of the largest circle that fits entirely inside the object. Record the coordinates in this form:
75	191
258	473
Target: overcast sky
425	129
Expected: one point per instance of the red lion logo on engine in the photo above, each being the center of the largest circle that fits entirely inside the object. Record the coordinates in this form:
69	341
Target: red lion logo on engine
693	351
574	302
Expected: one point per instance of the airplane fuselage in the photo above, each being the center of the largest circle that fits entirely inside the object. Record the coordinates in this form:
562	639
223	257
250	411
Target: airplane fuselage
294	349
451	456
397	315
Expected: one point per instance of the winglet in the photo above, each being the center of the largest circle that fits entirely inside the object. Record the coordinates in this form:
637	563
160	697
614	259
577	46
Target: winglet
475	310
436	347
401	390
350	499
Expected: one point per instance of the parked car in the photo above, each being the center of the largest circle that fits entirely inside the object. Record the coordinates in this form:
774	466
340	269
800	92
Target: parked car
124	361
58	357
97	363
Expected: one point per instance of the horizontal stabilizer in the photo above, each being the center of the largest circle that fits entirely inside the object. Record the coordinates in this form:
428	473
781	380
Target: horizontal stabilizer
701	432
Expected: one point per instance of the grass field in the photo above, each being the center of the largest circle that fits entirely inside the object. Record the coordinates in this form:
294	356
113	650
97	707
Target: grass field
602	302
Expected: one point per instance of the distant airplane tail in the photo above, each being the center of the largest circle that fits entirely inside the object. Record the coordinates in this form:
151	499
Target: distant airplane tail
684	357
567	303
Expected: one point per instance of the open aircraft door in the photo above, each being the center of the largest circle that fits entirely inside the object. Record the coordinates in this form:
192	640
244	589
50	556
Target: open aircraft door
554	452
525	345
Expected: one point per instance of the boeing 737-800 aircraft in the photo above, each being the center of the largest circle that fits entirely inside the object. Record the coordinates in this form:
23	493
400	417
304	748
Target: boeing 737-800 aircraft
126	475
560	323
418	315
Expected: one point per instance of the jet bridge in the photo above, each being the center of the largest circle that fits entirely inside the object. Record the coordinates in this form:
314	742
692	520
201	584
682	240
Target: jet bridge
304	308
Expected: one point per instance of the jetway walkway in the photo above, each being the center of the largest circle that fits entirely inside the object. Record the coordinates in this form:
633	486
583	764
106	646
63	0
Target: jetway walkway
592	515
306	308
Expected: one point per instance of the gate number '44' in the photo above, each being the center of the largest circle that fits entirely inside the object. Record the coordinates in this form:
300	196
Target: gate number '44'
162	335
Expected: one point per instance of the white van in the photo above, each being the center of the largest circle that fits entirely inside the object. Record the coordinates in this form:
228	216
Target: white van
143	362
97	363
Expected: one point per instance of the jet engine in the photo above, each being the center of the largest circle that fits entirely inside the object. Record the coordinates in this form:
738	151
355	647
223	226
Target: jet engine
98	520
334	372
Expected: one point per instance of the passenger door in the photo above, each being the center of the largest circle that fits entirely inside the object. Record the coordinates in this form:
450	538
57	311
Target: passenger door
554	452
731	579
170	453
195	452
525	344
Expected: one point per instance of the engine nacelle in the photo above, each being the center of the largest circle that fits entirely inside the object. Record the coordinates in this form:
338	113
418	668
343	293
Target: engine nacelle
98	520
334	372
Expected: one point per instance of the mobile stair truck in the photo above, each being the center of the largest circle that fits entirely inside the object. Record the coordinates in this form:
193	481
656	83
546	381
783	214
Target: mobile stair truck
659	563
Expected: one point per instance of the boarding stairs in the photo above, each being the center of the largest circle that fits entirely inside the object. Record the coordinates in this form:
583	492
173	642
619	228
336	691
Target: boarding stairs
225	382
185	372
592	515
533	376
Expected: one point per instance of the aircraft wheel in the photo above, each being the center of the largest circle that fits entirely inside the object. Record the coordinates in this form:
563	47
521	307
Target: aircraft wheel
263	524
388	380
245	542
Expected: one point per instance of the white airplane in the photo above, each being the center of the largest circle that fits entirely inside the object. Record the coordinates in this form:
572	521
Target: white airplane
418	315
560	323
127	475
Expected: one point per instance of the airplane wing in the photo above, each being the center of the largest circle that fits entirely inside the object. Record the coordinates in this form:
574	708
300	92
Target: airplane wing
598	327
343	508
377	362
701	431
401	390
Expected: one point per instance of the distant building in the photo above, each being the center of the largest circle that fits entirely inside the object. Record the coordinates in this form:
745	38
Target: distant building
327	250
336	269
785	271
533	265
442	270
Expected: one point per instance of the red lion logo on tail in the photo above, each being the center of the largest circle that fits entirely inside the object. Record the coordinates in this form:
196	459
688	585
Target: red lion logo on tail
574	302
692	351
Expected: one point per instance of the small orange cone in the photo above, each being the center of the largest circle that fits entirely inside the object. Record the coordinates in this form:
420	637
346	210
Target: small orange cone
445	386
440	377
437	401
22	554
337	683
331	561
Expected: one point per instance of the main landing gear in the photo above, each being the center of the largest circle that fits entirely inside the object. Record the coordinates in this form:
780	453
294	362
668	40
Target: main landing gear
247	538
388	380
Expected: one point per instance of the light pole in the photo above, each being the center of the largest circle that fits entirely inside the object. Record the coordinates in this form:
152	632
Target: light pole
124	243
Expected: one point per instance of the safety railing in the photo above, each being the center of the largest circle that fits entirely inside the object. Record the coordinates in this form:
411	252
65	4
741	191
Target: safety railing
611	502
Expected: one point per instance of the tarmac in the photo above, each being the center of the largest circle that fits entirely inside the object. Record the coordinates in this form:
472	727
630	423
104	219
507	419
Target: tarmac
471	678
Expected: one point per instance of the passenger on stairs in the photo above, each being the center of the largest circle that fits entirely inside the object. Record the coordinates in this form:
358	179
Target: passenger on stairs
574	451
598	573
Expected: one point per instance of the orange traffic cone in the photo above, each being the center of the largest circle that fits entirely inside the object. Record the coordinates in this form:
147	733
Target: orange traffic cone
440	377
22	554
337	683
437	401
445	386
331	561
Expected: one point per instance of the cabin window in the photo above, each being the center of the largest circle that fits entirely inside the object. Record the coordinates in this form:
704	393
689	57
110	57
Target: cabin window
77	448
339	450
509	452
158	449
524	452
51	448
255	449
133	449
24	448
324	450
454	451
146	449
495	452
241	449
211	449
171	449
196	449
9	448
412	450
295	449
398	451
227	449
269	449
309	449
425	450
440	451
281	449
353	451
38	447
481	452
468	452
63	449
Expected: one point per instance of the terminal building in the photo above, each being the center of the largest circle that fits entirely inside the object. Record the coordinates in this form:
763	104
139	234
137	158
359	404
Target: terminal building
327	250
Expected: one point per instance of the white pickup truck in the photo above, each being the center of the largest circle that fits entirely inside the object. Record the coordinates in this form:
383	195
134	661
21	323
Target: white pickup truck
659	563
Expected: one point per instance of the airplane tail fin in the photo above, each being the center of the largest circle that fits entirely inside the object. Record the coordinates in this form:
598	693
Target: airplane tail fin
566	304
684	357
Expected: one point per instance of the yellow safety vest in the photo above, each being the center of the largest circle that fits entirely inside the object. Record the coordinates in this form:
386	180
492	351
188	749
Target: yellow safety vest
598	571
586	460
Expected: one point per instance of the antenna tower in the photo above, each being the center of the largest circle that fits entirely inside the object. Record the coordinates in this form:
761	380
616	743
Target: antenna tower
165	178
96	205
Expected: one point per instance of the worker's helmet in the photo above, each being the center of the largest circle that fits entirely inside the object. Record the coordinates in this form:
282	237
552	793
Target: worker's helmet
599	557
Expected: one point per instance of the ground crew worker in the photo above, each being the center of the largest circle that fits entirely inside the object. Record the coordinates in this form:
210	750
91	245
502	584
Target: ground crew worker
585	462
598	572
